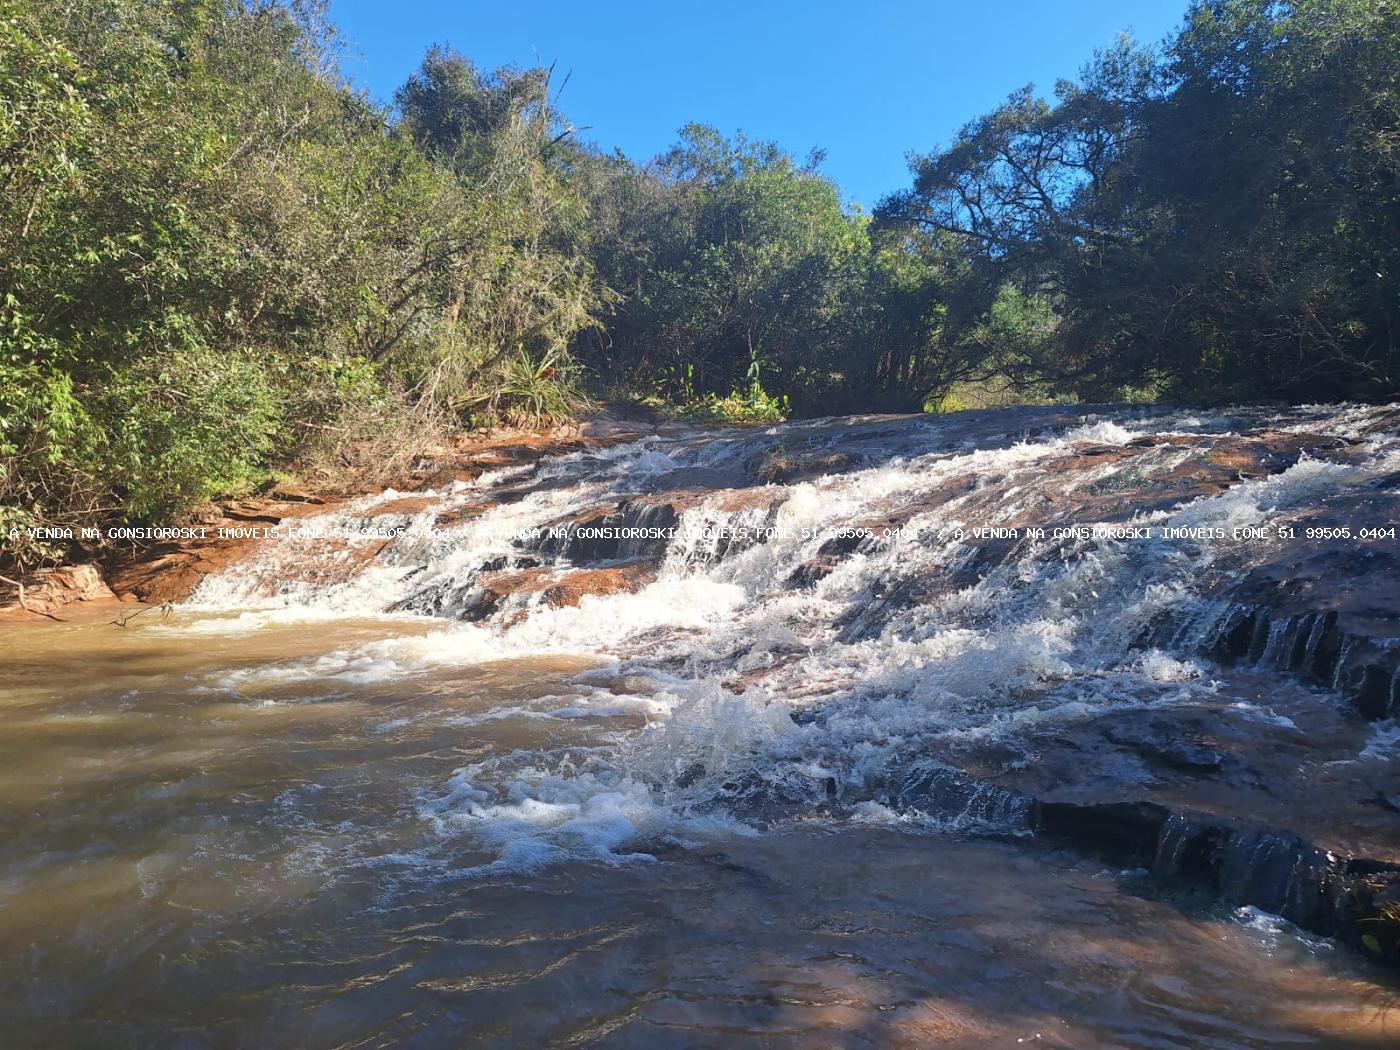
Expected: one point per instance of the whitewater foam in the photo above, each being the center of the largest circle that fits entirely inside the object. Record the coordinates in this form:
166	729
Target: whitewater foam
750	686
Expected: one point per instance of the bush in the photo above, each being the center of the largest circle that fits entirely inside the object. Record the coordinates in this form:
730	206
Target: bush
182	428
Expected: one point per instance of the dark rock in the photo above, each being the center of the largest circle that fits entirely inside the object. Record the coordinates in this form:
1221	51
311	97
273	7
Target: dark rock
1328	647
950	794
1162	742
810	573
615	533
1269	868
1125	831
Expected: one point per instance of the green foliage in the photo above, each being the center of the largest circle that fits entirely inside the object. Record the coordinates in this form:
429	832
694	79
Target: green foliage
1382	938
187	427
1216	221
216	257
518	285
724	253
750	405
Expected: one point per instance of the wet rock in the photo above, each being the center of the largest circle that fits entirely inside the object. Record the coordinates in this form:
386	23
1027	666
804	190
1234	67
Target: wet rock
1272	869
1269	452
959	799
1124	831
1386	801
402	507
697	479
470	457
169	571
1086	457
1332	648
810	573
889	597
791	468
633	528
1328	609
491	591
1240	862
1162	742
1288	756
645	526
572	587
249	512
1159	473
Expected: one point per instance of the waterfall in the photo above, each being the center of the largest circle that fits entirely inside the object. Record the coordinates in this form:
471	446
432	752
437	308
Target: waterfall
818	614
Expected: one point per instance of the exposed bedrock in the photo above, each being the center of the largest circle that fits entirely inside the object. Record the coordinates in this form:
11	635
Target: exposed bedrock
1327	610
1354	898
1094	624
47	591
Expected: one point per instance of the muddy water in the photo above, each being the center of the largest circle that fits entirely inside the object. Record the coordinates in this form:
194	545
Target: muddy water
196	857
484	783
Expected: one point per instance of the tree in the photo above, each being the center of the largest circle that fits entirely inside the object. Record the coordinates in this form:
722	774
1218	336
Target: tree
518	286
1219	220
733	260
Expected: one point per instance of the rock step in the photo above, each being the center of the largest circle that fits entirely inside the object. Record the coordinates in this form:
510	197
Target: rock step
1354	899
46	591
1319	647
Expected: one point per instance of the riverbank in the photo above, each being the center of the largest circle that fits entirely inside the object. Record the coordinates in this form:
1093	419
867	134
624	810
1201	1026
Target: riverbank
134	569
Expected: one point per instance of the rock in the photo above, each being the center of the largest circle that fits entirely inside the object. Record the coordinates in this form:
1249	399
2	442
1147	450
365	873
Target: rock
1238	862
170	571
250	512
1334	647
788	469
402	507
1088	456
630	529
571	588
1272	869
491	589
1123	831
47	591
810	573
1295	762
1388	802
1162	742
643	526
294	494
562	590
955	796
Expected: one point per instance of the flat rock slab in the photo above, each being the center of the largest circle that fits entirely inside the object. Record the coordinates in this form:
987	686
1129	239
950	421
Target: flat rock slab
1267	752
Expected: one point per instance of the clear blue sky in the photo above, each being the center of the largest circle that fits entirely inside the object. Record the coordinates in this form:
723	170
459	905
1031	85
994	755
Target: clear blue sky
864	82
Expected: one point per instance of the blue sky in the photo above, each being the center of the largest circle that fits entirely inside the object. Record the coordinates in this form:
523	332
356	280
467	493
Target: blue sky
864	82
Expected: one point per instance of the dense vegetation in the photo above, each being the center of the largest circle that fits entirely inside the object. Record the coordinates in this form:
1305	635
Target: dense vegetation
219	259
1218	220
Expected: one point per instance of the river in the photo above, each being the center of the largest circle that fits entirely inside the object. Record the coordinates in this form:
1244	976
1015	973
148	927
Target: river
632	746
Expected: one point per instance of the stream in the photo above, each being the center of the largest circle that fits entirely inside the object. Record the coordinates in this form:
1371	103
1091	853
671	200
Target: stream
733	737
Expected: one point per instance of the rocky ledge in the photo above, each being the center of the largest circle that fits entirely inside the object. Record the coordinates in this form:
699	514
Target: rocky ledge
155	573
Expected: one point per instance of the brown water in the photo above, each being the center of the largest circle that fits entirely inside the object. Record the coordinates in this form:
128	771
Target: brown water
193	858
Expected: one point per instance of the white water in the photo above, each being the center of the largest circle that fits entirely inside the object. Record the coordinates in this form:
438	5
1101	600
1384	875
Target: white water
752	692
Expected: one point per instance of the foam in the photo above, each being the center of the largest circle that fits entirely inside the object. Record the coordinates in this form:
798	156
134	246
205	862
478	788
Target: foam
536	816
744	685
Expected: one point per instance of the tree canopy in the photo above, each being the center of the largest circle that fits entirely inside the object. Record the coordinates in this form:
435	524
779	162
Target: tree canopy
219	259
1216	219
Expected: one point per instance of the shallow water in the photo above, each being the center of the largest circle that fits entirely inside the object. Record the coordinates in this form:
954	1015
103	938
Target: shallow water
185	867
285	817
